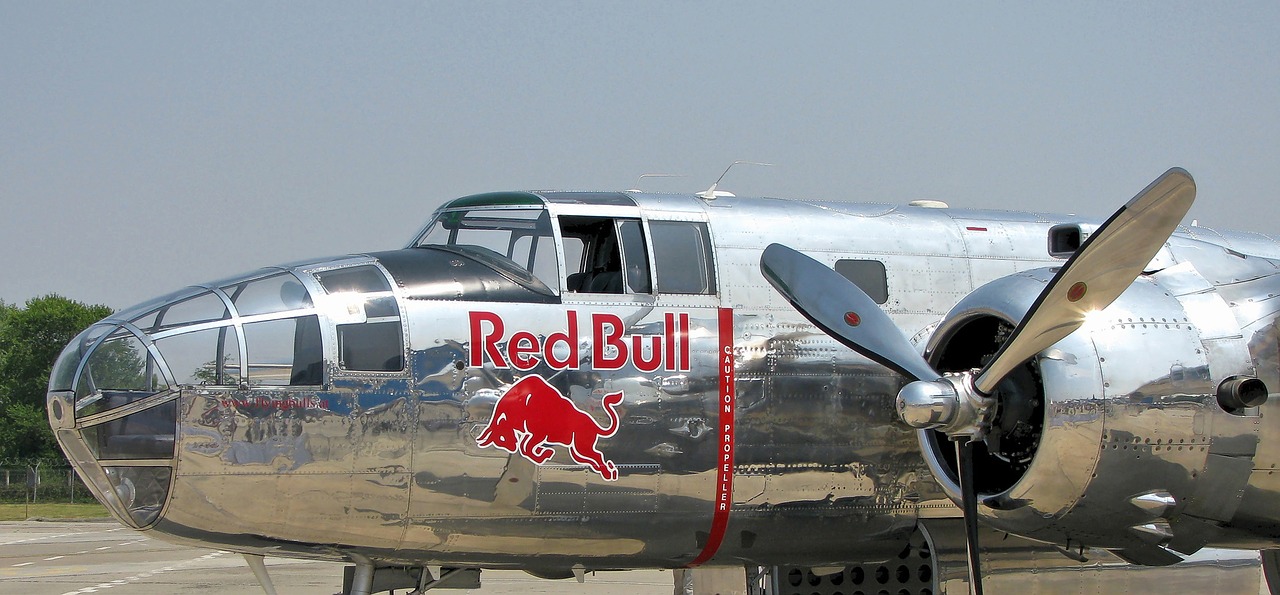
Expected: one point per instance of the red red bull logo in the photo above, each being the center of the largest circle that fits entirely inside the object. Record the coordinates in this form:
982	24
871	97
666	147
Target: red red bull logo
611	347
533	414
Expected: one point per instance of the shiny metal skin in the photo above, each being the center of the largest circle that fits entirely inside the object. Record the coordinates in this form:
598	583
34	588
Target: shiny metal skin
344	452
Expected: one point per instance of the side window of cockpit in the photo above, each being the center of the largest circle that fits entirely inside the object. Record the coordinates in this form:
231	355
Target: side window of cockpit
682	255
868	275
207	357
278	352
536	254
371	339
635	257
614	256
284	352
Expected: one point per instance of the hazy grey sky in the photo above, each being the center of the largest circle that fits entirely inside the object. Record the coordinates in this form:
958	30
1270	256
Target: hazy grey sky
146	146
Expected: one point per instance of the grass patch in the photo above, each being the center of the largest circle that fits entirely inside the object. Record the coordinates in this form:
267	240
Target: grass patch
21	512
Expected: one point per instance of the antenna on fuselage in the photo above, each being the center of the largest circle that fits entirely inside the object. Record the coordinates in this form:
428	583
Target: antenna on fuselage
643	176
712	194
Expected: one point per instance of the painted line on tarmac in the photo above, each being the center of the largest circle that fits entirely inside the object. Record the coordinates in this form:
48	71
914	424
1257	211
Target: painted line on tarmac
57	535
81	552
31	539
143	575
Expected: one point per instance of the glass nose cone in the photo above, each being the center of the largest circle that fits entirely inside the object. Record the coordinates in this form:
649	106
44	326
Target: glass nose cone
114	412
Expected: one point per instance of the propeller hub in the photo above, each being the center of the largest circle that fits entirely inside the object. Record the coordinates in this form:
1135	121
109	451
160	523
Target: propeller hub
928	403
950	404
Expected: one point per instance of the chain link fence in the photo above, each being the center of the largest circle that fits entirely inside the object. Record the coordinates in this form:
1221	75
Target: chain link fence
39	481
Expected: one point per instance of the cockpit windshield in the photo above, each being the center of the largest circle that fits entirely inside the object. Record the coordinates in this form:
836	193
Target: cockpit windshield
500	237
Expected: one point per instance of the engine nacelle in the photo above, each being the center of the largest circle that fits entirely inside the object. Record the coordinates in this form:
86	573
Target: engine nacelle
1115	437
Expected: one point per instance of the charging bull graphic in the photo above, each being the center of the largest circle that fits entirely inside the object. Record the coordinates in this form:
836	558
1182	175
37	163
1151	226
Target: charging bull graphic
532	414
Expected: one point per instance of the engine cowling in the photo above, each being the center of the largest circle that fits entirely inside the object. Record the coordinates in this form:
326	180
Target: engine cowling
1115	436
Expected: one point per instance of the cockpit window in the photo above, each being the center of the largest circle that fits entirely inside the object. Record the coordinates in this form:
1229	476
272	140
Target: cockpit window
207	357
682	253
372	340
519	236
613	257
285	352
362	279
277	293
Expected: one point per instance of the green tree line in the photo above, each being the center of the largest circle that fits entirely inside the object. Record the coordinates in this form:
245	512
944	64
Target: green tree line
31	337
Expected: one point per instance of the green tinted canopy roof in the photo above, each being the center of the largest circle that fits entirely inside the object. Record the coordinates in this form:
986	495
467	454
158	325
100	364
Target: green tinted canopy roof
502	199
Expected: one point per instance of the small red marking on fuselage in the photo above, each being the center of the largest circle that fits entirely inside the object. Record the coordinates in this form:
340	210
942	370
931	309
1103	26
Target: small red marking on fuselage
282	404
532	414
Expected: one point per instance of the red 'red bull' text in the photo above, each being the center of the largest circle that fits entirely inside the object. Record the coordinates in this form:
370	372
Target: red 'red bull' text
611	347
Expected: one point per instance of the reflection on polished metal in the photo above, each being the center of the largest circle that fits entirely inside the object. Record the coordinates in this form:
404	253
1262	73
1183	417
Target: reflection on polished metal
929	404
1155	504
950	404
335	409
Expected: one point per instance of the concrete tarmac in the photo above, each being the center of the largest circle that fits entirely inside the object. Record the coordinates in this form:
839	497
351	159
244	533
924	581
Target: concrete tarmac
74	558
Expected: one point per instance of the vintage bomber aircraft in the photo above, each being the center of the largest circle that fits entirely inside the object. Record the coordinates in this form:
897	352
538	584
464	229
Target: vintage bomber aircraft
764	391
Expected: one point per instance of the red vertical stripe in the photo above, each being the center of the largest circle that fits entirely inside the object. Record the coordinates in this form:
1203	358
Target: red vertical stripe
724	458
684	341
669	324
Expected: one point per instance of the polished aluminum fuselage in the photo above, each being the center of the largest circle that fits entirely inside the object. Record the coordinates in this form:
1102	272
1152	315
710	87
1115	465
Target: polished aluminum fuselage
387	465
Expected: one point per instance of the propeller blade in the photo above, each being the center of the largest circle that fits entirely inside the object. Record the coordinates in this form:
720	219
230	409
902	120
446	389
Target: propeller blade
969	505
1102	269
842	310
